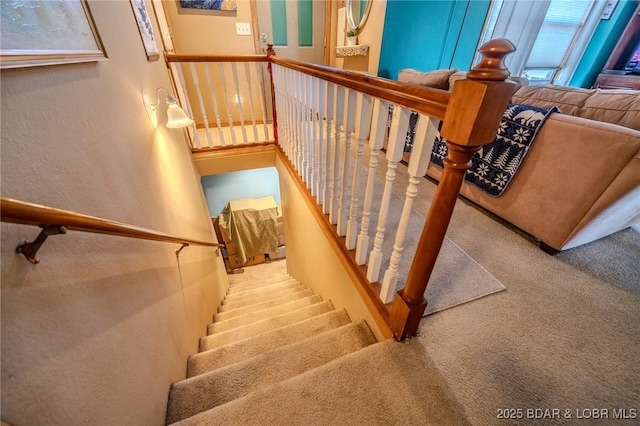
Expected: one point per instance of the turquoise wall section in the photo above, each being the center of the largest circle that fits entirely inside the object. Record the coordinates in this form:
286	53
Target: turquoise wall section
429	35
602	43
435	34
222	188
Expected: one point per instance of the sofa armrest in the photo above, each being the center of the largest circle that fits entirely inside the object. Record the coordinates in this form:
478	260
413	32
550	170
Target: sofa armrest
570	165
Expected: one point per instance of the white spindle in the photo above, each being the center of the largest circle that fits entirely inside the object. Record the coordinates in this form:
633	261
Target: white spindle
313	91
238	101
395	147
263	105
223	80
376	142
214	101
426	131
327	170
247	73
320	169
335	155
363	129
350	123
196	83
307	142
194	129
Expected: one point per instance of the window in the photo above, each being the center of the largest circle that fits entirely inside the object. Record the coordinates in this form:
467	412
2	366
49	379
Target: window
550	35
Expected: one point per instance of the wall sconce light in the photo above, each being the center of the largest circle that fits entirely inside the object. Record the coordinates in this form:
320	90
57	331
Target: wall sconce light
176	117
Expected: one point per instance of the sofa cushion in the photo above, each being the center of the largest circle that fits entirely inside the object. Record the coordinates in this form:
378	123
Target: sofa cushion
570	100
620	107
461	75
438	79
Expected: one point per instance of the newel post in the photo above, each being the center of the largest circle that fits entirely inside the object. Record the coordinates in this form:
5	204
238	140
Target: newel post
471	120
271	52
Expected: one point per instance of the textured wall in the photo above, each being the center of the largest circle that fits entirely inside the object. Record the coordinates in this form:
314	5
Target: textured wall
97	331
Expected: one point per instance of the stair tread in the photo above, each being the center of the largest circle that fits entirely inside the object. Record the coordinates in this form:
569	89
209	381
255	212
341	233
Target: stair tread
252	317
250	347
384	383
191	396
263	290
259	281
259	286
270	303
226	337
253	299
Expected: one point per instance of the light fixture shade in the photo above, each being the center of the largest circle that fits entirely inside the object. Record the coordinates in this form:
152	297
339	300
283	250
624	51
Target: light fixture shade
176	117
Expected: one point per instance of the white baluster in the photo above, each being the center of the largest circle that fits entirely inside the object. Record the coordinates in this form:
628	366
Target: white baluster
320	168
364	127
214	101
327	171
223	80
307	142
376	142
262	91
196	83
239	101
426	131
247	74
335	156
350	123
395	147
194	129
315	141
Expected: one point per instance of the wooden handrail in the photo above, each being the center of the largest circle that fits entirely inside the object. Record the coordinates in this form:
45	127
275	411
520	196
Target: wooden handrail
21	212
432	102
215	58
426	100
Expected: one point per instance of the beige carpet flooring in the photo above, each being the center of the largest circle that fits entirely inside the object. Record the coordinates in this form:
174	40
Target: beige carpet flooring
321	369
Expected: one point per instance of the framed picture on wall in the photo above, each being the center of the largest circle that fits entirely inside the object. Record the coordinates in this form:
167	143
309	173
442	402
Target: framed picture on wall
222	5
34	33
146	30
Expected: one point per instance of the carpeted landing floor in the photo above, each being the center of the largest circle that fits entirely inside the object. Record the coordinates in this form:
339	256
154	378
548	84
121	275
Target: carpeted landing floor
278	354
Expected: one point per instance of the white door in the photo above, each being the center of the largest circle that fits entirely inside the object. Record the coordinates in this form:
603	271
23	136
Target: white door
296	28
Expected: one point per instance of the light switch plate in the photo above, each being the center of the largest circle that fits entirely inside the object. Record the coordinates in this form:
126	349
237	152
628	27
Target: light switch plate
243	28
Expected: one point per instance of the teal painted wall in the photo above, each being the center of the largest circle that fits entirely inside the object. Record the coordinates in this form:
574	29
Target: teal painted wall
429	35
602	43
222	188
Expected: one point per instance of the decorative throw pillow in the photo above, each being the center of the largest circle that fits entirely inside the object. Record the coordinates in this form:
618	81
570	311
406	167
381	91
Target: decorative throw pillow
438	79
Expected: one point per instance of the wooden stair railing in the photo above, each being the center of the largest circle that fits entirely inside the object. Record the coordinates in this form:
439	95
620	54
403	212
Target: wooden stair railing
55	221
470	116
312	108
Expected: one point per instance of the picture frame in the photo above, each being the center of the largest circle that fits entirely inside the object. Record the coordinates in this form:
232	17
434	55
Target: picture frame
54	32
215	5
146	29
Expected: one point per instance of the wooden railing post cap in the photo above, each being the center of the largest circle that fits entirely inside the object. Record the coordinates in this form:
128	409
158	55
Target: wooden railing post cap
491	66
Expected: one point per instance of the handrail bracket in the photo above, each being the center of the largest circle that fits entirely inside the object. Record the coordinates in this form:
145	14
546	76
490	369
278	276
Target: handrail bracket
30	249
180	249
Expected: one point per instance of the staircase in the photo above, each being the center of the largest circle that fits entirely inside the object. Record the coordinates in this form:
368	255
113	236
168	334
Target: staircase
277	353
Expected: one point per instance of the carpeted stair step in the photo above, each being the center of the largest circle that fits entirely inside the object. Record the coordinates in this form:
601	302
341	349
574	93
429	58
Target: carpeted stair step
252	300
265	290
194	395
258	285
271	303
373	386
252	317
257	282
226	337
244	349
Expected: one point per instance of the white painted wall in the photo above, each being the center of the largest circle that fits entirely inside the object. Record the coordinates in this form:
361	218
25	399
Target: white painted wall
96	333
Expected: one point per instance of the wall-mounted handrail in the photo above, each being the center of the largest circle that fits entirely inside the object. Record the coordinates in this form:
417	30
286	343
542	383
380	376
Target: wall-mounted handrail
57	221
